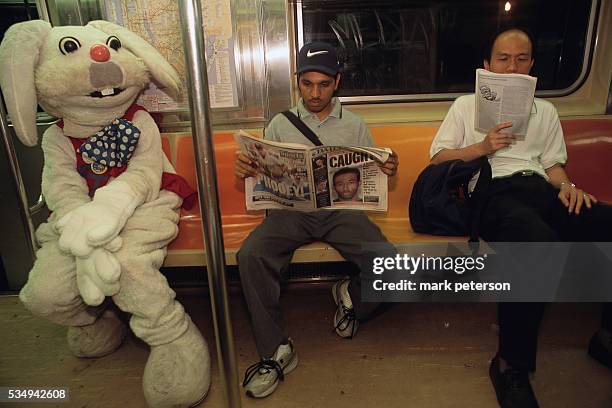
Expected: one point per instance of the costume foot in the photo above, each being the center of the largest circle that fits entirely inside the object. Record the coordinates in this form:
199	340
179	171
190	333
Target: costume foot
99	338
178	373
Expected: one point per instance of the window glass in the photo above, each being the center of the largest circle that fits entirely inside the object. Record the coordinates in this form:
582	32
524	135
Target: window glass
12	12
407	47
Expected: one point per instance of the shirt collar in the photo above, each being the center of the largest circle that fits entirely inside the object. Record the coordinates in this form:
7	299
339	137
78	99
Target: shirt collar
336	111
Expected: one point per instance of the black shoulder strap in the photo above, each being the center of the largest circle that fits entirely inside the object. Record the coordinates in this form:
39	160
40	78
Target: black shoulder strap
479	195
301	126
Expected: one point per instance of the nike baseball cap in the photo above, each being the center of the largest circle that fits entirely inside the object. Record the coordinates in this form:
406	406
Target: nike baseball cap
319	57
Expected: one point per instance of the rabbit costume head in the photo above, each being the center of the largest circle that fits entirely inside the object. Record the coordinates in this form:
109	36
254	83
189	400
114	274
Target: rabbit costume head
88	75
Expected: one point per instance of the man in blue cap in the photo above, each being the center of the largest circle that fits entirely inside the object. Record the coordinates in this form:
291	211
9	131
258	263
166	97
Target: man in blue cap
267	251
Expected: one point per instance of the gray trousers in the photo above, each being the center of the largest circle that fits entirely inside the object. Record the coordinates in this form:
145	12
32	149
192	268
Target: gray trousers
267	251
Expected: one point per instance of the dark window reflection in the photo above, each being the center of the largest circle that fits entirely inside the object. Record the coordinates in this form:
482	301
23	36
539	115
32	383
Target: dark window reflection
12	12
420	47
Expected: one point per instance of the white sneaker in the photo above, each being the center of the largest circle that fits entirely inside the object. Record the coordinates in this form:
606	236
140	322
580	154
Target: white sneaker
345	322
261	379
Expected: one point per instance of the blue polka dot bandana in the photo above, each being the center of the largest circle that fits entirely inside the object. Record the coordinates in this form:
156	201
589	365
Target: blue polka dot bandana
112	146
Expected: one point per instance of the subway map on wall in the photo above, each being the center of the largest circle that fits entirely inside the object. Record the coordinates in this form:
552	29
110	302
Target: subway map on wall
158	22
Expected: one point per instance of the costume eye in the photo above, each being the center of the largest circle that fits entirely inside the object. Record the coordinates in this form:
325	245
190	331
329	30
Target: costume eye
113	42
68	45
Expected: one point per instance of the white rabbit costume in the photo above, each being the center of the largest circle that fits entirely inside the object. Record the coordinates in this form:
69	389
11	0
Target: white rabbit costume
104	238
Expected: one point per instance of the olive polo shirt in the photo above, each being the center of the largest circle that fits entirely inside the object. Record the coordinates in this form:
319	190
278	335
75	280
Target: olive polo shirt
340	128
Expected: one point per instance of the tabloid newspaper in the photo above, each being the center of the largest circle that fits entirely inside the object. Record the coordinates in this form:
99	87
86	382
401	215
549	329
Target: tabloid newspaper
502	98
297	177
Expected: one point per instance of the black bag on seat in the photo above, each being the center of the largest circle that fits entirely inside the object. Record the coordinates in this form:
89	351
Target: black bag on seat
439	200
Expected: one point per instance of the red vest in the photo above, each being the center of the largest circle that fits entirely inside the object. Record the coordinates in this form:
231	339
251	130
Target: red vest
97	177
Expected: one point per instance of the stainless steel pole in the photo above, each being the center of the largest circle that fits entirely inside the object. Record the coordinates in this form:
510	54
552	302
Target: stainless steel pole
201	128
24	207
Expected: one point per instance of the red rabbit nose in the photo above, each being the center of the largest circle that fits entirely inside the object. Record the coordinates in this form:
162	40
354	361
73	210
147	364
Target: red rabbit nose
99	53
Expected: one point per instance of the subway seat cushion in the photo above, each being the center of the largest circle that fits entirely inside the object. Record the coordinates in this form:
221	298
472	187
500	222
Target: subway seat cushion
589	145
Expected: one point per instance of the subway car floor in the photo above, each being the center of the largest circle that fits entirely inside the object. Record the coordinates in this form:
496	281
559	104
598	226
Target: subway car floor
411	355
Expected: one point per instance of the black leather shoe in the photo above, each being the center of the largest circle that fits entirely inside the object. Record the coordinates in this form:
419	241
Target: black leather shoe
512	387
600	347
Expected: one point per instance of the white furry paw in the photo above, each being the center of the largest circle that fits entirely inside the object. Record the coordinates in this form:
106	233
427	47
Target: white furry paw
97	276
178	373
98	222
98	339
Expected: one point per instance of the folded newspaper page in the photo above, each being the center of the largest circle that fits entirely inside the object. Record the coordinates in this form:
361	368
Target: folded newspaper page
297	177
502	98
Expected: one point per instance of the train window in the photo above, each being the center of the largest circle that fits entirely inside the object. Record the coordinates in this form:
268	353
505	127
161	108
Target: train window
410	49
12	12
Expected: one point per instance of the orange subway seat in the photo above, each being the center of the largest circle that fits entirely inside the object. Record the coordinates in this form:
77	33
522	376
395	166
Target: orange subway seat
589	145
166	148
236	222
411	143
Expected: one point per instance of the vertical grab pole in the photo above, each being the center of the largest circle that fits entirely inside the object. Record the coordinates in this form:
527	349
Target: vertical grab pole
195	63
24	207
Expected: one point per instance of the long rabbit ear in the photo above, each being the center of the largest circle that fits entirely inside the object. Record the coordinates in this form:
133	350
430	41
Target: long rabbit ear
163	74
19	53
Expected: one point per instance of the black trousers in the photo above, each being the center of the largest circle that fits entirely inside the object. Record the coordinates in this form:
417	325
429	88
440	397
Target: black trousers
606	317
527	209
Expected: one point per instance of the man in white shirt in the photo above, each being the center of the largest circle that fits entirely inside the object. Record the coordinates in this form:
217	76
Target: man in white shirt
530	198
